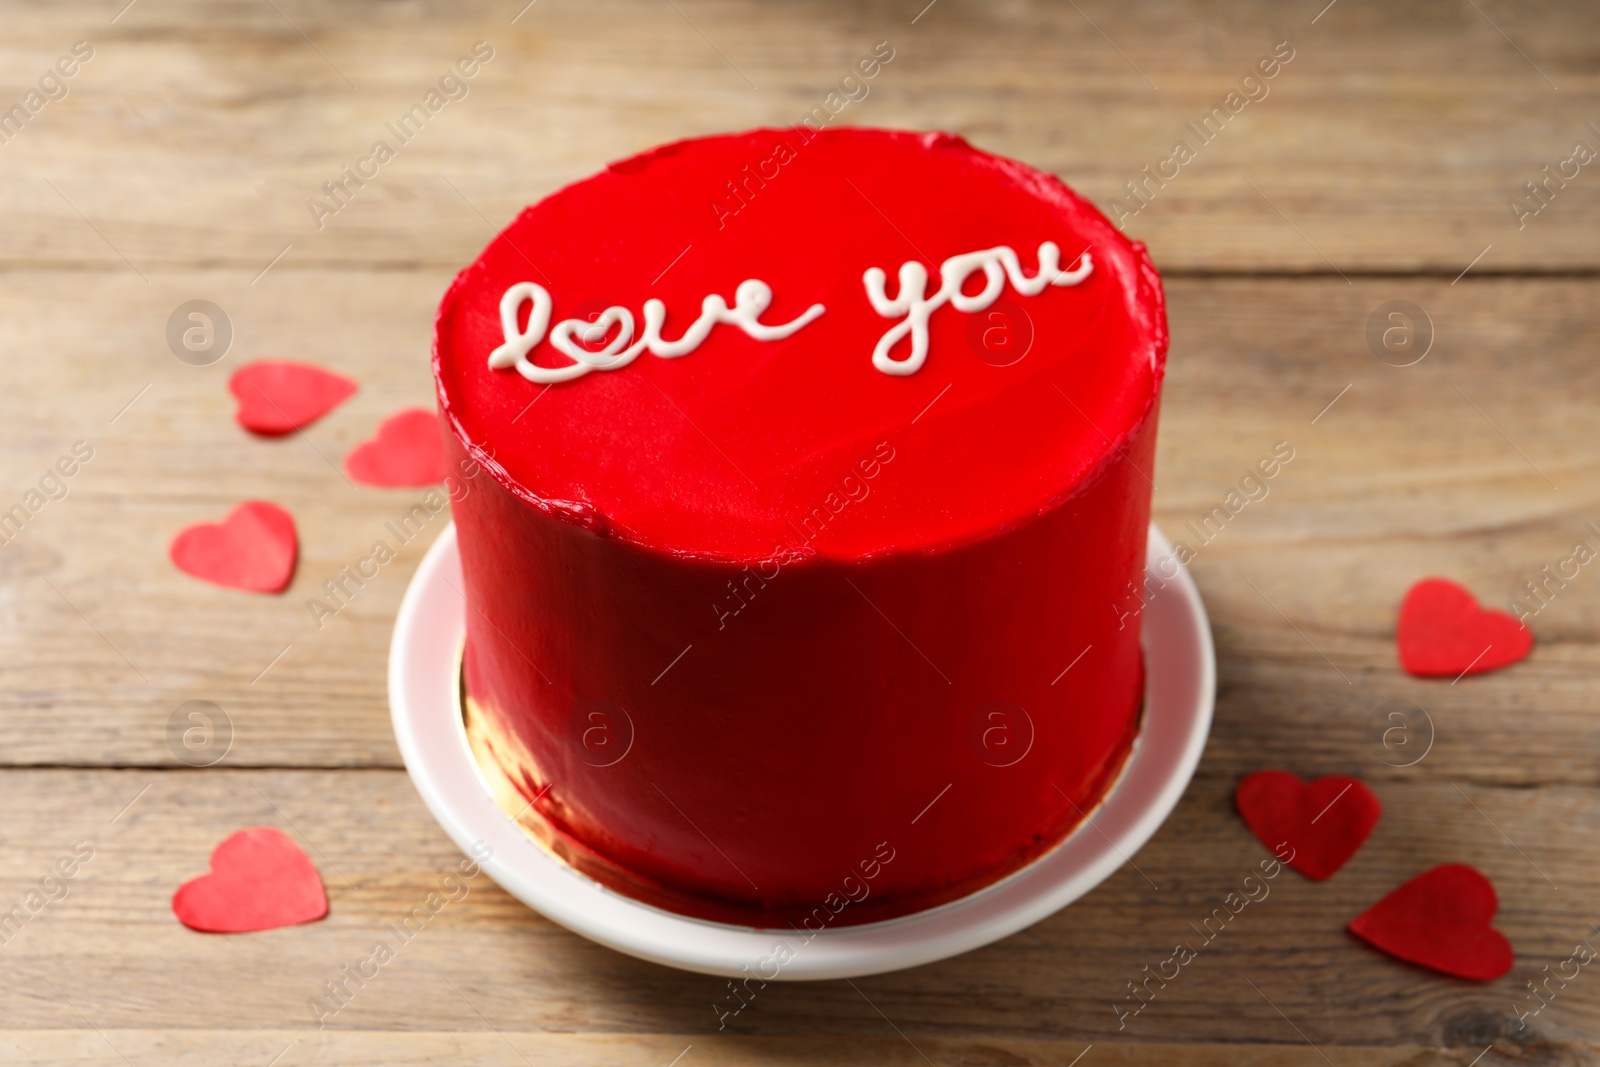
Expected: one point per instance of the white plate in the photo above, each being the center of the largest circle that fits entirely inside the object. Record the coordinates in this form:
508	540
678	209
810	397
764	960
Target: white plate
423	661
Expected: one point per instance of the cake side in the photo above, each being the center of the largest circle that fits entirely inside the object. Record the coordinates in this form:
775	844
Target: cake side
965	708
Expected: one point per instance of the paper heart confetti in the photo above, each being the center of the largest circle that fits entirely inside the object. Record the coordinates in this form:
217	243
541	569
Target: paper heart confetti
259	880
1322	823
406	451
276	396
253	548
1440	919
1443	633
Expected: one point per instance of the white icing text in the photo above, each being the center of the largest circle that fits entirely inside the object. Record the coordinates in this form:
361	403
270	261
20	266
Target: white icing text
751	299
913	307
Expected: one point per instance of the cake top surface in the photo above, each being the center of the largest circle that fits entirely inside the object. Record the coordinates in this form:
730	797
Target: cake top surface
689	353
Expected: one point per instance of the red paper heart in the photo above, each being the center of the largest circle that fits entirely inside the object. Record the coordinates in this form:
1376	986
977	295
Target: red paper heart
253	548
1323	823
1440	919
259	880
276	397
1443	633
406	451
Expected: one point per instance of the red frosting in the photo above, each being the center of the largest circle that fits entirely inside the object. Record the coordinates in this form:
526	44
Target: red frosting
799	595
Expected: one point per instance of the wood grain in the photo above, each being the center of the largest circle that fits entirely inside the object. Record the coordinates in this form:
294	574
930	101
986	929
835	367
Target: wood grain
1393	140
1407	474
485	956
1380	165
73	1048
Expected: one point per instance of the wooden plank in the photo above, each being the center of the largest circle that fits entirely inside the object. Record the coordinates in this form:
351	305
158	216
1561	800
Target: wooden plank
1392	140
180	166
485	957
1405	475
183	1048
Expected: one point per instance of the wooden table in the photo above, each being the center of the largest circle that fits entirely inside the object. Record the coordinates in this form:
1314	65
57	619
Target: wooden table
1379	167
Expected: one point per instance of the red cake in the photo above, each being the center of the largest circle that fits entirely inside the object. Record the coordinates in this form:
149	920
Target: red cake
803	582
